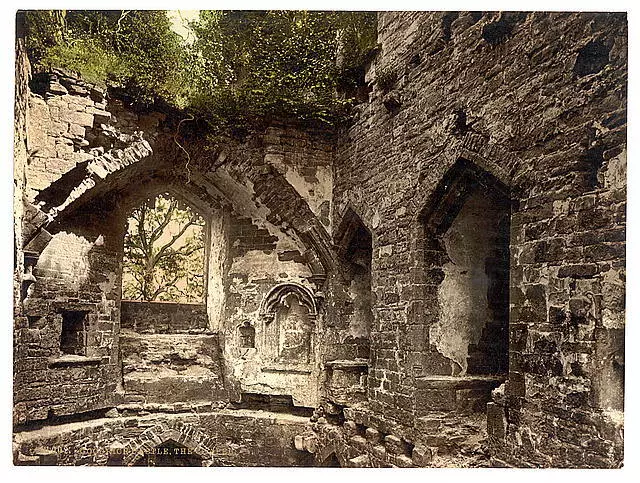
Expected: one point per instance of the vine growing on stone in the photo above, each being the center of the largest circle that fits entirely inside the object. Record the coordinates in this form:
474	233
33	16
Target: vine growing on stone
243	69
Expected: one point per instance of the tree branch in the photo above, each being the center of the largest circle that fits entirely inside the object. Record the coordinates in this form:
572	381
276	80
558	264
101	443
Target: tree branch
175	238
167	219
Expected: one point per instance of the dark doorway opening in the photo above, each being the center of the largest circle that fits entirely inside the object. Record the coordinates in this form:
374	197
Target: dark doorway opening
331	461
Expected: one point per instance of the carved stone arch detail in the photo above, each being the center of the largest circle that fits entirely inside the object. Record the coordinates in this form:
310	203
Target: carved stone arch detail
286	206
275	298
462	180
288	316
354	203
476	151
187	435
349	224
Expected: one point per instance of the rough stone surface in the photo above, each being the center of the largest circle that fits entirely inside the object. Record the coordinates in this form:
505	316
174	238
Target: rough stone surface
349	276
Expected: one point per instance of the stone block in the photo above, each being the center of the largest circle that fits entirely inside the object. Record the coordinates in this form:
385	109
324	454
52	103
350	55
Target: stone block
496	422
77	130
74	117
373	436
57	128
403	461
298	442
394	445
361	461
358	442
310	444
422	455
379	452
46	457
350	428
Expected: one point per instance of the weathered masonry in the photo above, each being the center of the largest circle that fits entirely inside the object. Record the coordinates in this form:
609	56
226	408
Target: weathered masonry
442	283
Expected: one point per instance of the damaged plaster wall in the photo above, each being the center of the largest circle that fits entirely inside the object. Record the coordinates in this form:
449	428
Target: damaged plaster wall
263	257
462	296
522	107
66	259
305	159
73	276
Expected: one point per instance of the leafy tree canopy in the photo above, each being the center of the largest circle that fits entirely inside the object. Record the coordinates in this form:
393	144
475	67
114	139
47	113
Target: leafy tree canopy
243	67
164	252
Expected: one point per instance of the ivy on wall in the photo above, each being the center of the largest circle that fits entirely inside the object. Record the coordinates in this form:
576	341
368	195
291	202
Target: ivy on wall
244	67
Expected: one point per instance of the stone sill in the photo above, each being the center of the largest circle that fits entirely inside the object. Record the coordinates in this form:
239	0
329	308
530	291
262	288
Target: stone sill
346	391
459	382
128	332
70	360
166	303
289	368
348	364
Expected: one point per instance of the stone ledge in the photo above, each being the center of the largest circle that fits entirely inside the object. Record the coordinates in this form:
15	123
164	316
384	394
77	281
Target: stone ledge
347	364
290	368
71	360
459	382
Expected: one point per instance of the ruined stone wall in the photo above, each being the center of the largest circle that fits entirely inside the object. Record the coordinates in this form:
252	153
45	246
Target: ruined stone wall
19	163
162	317
75	264
170	368
71	124
220	438
265	231
92	160
76	276
538	101
531	104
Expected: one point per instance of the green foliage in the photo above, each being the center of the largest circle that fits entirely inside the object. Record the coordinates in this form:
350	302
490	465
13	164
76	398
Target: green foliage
243	68
265	64
164	253
128	48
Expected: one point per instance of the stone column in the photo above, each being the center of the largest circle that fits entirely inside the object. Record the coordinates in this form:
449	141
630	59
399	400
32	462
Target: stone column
217	257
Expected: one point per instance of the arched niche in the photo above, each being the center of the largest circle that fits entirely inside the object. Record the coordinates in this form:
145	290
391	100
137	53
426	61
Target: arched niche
466	250
275	298
331	461
289	313
355	250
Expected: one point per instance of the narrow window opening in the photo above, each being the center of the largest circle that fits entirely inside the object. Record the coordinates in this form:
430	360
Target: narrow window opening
73	338
357	257
247	336
470	225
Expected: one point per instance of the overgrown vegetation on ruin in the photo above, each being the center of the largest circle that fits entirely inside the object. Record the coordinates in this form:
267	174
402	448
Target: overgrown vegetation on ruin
243	67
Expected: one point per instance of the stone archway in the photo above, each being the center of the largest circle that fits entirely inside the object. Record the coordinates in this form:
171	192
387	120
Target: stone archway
186	444
329	456
331	461
467	230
